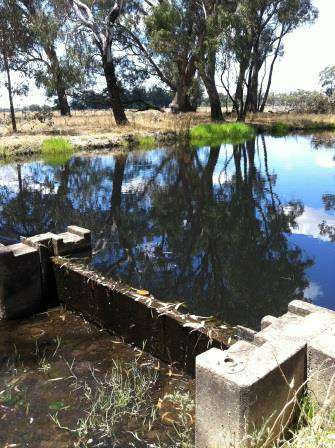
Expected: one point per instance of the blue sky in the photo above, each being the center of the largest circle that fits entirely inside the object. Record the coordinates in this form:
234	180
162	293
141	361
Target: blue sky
307	51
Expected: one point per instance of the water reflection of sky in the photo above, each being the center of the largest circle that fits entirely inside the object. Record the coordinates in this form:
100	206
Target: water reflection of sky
298	172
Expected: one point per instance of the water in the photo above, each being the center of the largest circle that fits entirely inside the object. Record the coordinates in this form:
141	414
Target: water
233	232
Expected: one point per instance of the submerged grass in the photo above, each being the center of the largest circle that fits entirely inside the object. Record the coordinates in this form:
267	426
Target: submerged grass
122	401
215	134
56	151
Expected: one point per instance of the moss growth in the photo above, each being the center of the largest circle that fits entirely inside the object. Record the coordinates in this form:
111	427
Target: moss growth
56	151
215	134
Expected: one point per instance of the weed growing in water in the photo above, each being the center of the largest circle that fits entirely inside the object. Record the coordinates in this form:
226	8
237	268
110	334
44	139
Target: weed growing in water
122	402
146	142
56	151
215	134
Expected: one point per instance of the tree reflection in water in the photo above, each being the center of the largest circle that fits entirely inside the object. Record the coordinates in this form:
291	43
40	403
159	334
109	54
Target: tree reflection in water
203	226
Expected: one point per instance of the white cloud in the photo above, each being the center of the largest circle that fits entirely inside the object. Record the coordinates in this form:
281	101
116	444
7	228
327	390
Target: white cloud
313	291
309	221
325	159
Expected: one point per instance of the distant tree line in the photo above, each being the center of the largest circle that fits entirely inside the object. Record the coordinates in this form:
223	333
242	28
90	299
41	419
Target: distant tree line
303	101
187	48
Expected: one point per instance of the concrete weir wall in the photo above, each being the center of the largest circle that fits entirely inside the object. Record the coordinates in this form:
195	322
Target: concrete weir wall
136	316
239	386
258	381
38	273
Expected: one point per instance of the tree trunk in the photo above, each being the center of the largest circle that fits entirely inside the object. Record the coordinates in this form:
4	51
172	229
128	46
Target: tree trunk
59	84
214	100
208	79
181	101
10	92
239	89
254	91
267	91
114	93
62	101
207	73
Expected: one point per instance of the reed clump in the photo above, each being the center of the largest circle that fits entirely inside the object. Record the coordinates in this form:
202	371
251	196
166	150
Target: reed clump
215	134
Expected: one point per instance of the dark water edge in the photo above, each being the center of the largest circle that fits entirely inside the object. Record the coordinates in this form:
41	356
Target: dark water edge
234	231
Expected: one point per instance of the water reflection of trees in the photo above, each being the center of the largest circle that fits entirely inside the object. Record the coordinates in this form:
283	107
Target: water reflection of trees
326	229
201	226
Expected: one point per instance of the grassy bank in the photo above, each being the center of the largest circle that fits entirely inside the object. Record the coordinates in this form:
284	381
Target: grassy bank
96	129
283	123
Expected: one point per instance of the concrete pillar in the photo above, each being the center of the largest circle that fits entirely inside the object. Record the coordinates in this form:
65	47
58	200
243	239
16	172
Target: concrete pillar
75	240
20	280
238	390
243	388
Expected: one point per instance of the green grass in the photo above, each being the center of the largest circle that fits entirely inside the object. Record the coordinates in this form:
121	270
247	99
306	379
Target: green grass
280	129
215	134
56	151
146	142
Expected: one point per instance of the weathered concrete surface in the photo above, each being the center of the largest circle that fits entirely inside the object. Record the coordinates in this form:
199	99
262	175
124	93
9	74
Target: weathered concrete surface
26	276
140	319
252	382
244	387
20	280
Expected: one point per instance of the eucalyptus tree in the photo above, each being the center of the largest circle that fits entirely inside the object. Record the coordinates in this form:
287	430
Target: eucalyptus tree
172	49
255	41
213	18
52	70
327	80
14	35
100	19
7	49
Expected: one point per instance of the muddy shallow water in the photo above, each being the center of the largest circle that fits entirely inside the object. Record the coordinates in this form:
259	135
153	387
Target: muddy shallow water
51	363
236	232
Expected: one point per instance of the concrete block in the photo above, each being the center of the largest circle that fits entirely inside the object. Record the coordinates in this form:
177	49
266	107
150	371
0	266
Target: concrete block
73	241
240	389
321	369
290	327
301	308
244	333
20	281
83	233
43	243
27	282
267	320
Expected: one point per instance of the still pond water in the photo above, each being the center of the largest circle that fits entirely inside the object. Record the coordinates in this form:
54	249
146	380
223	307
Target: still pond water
235	232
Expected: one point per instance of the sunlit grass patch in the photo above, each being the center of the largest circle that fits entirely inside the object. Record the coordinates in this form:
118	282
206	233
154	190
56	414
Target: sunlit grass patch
146	142
56	151
215	134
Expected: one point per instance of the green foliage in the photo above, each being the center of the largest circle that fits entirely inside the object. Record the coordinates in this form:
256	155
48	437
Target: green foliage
303	101
280	129
146	142
215	134
56	151
327	80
